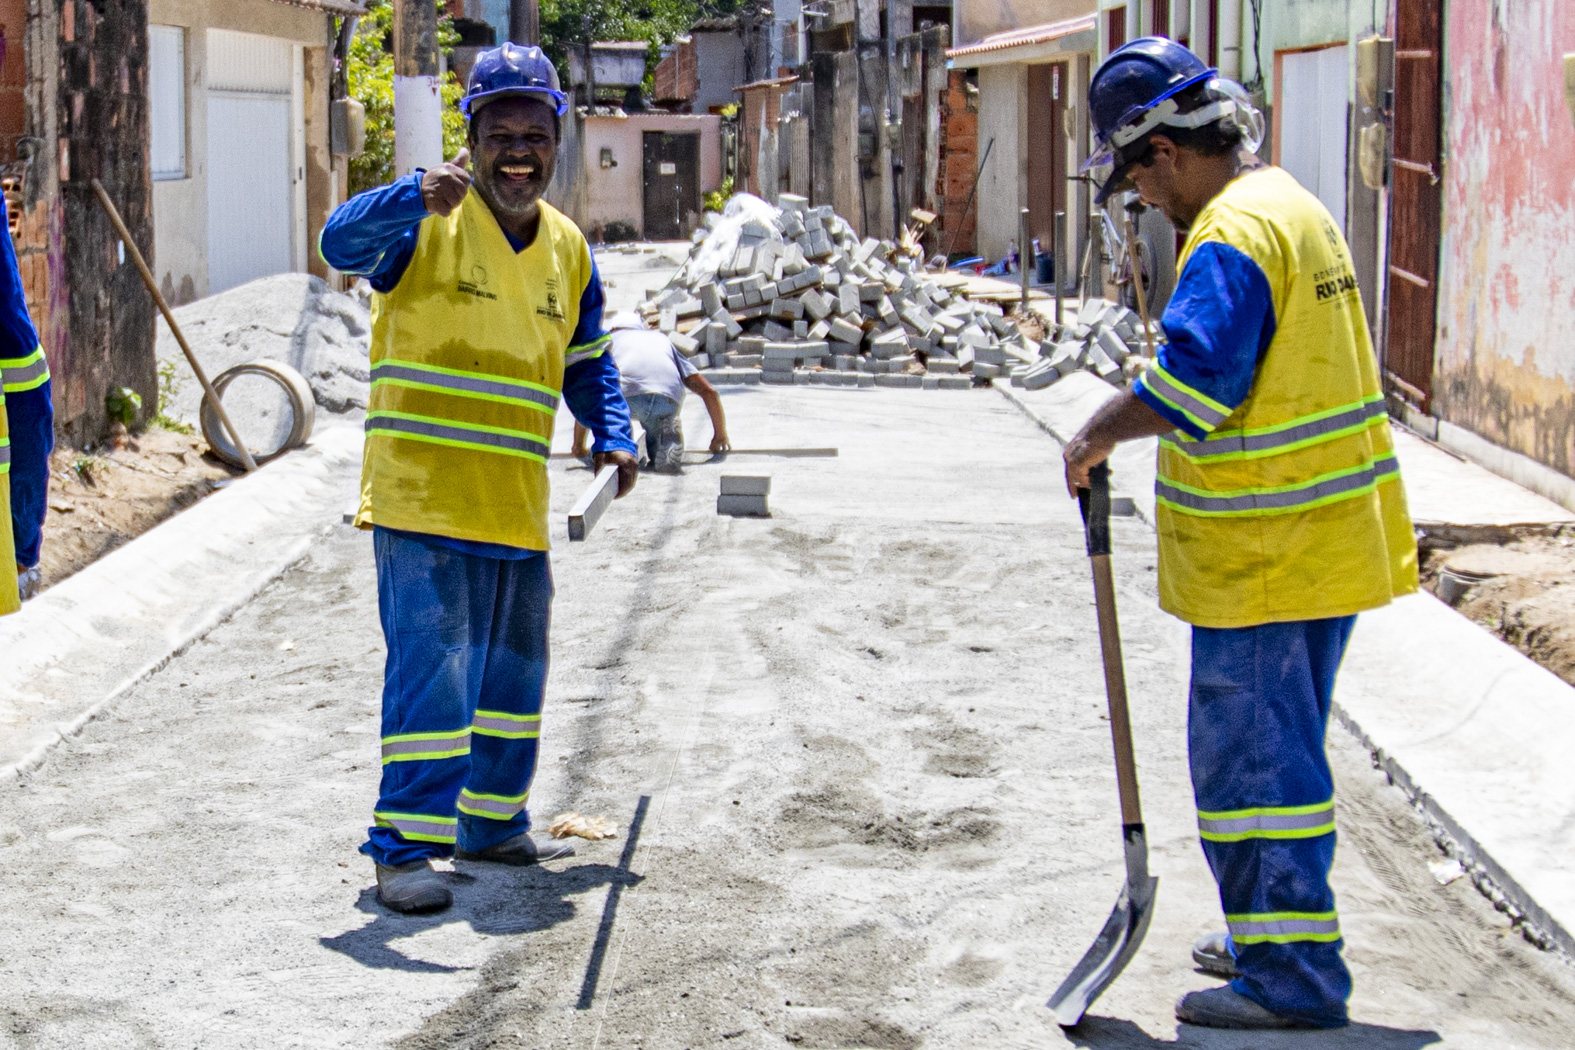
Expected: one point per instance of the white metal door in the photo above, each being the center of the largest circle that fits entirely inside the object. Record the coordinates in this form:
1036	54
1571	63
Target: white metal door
249	189
1312	106
255	125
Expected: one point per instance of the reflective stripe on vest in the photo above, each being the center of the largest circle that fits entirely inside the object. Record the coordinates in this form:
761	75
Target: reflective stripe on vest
1326	488
1267	822
501	723
24	373
419	827
5	456
1195	405
1287	437
589	352
416	747
1284	927
496	807
465	384
458	435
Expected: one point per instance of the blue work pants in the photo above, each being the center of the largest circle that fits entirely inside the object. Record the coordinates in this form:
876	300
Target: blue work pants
462	696
1259	708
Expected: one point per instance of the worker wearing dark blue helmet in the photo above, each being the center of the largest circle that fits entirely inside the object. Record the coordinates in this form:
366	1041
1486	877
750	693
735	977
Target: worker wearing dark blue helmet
487	313
1280	510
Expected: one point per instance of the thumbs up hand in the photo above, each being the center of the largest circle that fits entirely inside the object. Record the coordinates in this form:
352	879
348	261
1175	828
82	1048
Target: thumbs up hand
444	187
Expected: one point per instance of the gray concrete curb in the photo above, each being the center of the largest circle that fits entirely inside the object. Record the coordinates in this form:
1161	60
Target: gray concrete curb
1508	894
84	644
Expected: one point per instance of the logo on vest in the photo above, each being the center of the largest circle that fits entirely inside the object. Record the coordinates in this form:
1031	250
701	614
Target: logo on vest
552	309
1335	282
477	285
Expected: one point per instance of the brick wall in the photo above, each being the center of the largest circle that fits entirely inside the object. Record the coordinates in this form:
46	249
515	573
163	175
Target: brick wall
101	112
959	162
677	77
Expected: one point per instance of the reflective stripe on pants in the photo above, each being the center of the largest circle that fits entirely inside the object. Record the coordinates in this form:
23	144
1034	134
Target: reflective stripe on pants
467	646
1255	732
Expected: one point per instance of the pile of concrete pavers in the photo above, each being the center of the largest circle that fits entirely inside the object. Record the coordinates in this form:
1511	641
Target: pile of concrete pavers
1106	339
791	295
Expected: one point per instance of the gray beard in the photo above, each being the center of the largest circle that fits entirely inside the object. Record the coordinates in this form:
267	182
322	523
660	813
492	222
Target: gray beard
502	212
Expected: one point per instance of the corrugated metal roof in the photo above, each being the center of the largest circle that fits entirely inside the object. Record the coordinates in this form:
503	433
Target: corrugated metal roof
336	7
1040	34
774	82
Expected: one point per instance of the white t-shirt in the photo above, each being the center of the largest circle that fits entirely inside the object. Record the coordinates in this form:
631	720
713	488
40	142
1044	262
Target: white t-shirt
649	363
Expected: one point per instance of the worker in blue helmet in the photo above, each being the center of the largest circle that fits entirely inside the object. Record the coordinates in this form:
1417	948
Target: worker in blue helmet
487	312
1279	510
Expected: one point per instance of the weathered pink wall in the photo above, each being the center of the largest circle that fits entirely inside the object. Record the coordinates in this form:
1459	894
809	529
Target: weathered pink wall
1506	313
618	194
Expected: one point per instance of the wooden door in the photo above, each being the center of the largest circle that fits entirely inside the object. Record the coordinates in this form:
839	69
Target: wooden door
1414	201
672	184
1047	147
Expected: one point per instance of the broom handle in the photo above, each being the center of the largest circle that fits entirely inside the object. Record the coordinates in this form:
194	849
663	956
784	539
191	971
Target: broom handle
164	308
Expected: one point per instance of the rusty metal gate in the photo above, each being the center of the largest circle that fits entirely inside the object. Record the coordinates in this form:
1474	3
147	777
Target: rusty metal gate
1414	201
672	184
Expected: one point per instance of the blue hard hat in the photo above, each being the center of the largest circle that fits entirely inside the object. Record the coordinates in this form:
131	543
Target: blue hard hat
1125	100
513	70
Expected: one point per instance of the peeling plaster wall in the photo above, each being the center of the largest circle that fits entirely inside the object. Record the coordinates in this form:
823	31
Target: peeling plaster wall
1505	366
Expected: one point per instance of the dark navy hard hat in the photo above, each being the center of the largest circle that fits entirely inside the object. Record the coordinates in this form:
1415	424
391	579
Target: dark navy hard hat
1126	101
513	70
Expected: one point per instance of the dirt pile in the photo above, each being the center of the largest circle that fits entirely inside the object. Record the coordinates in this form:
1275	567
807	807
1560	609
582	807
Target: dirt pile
1512	580
292	317
790	294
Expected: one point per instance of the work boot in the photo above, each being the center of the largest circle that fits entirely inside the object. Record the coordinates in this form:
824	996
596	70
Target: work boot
519	851
412	888
1213	955
1224	1008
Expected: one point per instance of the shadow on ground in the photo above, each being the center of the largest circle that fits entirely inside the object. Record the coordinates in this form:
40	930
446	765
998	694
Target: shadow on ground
1109	1033
495	901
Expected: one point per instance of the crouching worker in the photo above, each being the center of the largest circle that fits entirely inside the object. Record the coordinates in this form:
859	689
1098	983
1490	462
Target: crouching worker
655	376
488	309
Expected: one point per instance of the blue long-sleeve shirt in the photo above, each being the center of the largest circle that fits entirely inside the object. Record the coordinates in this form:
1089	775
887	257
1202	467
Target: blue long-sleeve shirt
374	235
1218	326
24	379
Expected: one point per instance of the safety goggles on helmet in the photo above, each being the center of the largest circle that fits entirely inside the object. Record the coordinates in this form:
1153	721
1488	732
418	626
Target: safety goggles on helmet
1108	164
472	104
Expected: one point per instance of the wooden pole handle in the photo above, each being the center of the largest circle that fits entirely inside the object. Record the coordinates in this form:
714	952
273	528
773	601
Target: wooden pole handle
164	308
1137	283
1116	690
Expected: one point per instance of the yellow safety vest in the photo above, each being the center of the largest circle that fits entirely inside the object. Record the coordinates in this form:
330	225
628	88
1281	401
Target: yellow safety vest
468	353
10	601
1292	507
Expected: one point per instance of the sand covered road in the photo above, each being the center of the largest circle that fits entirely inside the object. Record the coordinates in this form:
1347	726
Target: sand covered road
860	749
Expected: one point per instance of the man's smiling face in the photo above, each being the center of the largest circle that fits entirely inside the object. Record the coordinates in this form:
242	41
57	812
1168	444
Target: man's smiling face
514	148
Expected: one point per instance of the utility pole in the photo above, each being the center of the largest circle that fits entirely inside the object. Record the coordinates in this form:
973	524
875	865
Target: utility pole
525	21
418	94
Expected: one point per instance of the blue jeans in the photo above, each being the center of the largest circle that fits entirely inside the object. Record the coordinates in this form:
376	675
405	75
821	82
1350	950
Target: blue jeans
664	434
462	696
1255	733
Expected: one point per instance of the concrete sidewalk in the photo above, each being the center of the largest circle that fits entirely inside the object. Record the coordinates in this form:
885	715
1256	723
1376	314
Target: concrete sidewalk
1477	734
83	643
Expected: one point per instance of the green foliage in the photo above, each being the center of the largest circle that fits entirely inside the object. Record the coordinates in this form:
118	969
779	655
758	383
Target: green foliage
371	74
170	383
567	24
717	199
90	468
123	403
